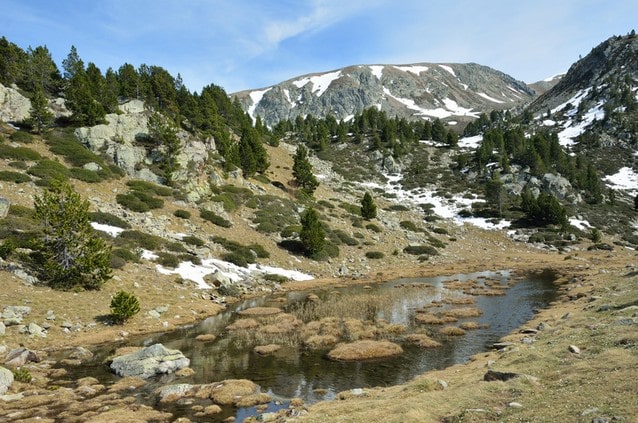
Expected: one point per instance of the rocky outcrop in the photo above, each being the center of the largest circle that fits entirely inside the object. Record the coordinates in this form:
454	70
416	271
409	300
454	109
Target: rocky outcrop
14	107
149	362
421	91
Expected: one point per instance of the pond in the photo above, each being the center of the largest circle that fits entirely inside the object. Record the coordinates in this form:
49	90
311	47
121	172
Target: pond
296	371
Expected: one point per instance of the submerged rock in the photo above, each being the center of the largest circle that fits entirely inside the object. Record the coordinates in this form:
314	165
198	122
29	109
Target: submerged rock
150	361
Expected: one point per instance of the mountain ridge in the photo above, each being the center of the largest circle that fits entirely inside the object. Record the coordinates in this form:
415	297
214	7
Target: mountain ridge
454	92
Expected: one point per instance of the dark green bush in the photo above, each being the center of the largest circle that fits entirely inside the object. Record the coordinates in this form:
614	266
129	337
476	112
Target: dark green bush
236	258
374	228
175	247
259	250
66	144
22	137
182	214
339	236
125	254
21	211
124	306
116	262
271	277
374	254
18	153
108	219
267	228
17	177
7	247
139	201
19	165
149	188
436	242
418	250
351	208
193	240
134	238
49	170
167	259
274	213
85	175
441	231
398	207
290	230
215	218
409	225
22	375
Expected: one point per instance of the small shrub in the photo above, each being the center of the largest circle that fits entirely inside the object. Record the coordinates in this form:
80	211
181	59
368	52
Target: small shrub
409	226
236	258
22	375
167	259
125	254
193	240
436	242
49	170
139	201
374	228
16	177
175	247
290	230
259	250
418	250
229	290
19	165
374	254
134	238
271	277
18	153
21	137
182	214
124	306
441	231
65	144
21	211
351	208
340	236
215	219
267	228
108	219
7	247
149	187
116	262
85	175
398	207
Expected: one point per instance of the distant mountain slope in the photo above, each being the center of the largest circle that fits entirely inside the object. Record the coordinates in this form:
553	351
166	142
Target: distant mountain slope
452	92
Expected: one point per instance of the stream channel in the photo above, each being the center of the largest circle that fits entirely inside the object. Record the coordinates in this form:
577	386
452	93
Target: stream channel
297	372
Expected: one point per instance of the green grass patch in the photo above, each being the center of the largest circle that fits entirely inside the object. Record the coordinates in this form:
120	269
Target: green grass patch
193	240
21	137
86	175
374	228
139	201
64	143
18	153
49	170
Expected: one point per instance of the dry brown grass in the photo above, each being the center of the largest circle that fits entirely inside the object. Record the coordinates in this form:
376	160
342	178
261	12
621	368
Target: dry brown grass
458	300
227	392
243	324
462	312
317	342
260	311
471	325
451	331
364	350
433	319
422	340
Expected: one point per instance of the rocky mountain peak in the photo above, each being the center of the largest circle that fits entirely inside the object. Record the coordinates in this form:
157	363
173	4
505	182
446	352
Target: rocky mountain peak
453	92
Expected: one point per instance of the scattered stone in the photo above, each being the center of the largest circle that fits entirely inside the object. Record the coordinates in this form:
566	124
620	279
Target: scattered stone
267	349
589	411
213	409
544	326
443	384
515	405
162	309
6	379
574	349
173	393
3	328
529	331
502	345
205	337
493	375
154	314
150	361
35	330
4	207
20	356
50	315
81	353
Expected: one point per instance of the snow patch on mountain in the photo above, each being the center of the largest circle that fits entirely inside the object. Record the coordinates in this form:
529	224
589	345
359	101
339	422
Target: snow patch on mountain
487	97
415	69
377	71
448	69
256	97
320	83
625	179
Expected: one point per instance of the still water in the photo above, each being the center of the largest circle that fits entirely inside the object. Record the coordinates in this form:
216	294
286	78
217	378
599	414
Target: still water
300	373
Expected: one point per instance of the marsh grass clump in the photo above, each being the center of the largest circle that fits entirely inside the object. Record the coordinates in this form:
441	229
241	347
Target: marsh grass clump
364	350
422	340
451	331
365	306
462	312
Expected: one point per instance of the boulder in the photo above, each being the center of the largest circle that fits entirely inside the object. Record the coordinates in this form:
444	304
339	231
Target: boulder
14	107
4	207
6	379
20	356
149	361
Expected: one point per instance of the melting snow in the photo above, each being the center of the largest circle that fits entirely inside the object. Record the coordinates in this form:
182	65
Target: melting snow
573	130
451	107
624	179
449	69
487	97
416	69
320	83
256	97
111	230
583	225
377	71
196	273
471	142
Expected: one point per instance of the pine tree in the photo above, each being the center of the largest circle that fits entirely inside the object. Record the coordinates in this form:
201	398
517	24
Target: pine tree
312	234
40	117
368	208
73	255
302	171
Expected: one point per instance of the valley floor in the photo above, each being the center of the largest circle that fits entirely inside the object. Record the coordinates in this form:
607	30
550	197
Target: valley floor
597	313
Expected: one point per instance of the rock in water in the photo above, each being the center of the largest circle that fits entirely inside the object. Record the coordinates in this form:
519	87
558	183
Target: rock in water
150	361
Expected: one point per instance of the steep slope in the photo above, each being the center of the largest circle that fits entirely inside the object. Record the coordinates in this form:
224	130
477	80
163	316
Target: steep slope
452	92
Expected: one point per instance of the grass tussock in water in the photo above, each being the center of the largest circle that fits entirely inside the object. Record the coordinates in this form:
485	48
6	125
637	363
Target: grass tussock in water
364	350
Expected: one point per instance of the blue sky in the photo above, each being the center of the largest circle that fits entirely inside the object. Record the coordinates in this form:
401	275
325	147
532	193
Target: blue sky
244	44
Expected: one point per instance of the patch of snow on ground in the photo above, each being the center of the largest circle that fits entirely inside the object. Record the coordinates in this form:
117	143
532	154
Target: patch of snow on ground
301	82
196	273
320	83
443	207
583	225
287	93
624	179
377	71
549	122
449	69
487	97
416	69
551	78
471	142
573	130
458	110
256	97
111	230
148	255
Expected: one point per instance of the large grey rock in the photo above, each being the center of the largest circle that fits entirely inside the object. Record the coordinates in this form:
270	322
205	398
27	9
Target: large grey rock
14	107
4	207
149	361
20	356
36	330
6	379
